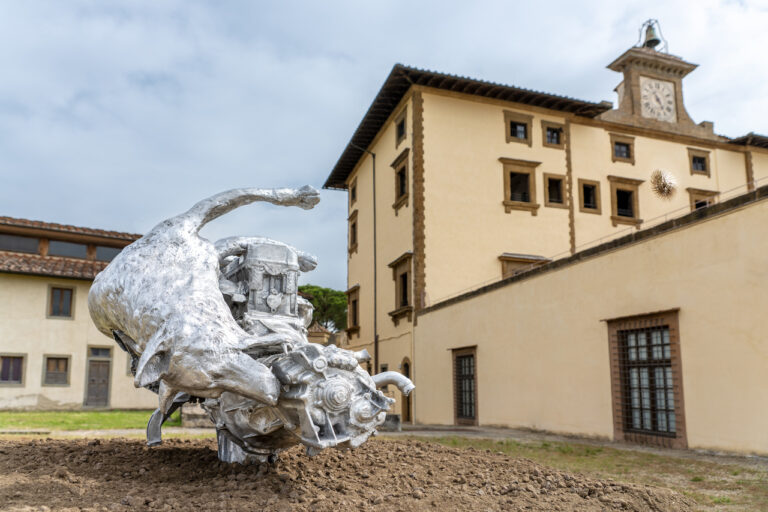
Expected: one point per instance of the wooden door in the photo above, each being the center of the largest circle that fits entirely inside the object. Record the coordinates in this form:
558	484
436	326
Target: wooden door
98	383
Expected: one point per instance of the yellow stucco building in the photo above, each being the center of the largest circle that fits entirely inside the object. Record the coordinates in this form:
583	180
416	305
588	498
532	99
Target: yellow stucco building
507	251
51	355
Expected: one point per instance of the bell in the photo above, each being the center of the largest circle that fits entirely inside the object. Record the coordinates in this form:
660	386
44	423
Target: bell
651	37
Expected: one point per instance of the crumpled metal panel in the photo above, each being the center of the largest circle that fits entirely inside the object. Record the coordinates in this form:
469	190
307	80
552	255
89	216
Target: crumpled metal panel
223	325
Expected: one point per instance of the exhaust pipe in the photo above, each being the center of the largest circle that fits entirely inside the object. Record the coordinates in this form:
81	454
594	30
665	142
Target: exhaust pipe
402	382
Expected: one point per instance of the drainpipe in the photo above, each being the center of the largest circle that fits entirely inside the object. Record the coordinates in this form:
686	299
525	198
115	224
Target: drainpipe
375	283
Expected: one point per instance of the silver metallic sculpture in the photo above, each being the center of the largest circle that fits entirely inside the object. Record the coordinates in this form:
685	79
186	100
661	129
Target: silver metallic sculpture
223	325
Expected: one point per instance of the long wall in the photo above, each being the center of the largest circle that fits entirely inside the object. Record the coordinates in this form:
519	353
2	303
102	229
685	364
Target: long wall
542	343
29	332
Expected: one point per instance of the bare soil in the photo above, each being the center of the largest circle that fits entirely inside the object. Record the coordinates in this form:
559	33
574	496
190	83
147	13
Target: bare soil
184	474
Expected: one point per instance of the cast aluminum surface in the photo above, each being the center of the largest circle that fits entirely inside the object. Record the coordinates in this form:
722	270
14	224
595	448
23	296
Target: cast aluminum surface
223	325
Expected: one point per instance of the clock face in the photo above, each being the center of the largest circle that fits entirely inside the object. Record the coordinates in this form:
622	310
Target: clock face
657	99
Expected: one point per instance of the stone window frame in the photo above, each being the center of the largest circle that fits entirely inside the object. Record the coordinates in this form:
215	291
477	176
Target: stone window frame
546	177
556	126
400	163
628	184
517	117
657	318
49	302
692	152
352	192
520	167
353	233
353	294
401	118
23	382
584	209
458	352
625	139
402	265
697	194
513	263
44	372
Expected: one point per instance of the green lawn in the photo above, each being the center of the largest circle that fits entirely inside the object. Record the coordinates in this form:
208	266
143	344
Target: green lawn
714	485
78	420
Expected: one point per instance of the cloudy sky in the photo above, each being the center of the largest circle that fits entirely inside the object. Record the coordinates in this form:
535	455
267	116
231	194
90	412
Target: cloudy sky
117	115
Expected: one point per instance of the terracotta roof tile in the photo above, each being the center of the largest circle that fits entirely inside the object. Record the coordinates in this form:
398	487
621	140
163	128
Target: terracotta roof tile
35	264
65	228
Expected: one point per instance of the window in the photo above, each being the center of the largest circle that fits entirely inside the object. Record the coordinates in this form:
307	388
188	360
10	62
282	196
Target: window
589	201
60	302
519	185
353	192
400	129
554	135
465	386
701	198
56	371
100	352
624	201
622	148
400	165
645	375
698	160
401	275
106	253
353	232
18	243
353	311
68	249
12	370
554	190
513	264
517	127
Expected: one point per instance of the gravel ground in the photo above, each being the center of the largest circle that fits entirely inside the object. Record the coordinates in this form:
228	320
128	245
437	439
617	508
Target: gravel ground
184	474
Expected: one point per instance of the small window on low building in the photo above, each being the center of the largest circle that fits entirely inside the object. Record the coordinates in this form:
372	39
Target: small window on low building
622	148
106	253
56	371
699	161
11	370
590	196
68	249
554	196
624	201
60	304
19	243
701	198
517	127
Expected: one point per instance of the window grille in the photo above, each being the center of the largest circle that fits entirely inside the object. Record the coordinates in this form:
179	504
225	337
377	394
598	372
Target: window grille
648	397
465	387
519	189
621	150
553	135
518	130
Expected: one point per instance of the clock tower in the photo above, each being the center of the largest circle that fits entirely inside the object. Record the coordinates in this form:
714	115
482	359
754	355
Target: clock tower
651	94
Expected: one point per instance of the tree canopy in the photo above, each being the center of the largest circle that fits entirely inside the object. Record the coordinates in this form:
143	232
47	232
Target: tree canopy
330	306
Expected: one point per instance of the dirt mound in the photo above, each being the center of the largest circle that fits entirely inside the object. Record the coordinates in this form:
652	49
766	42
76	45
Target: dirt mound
120	474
